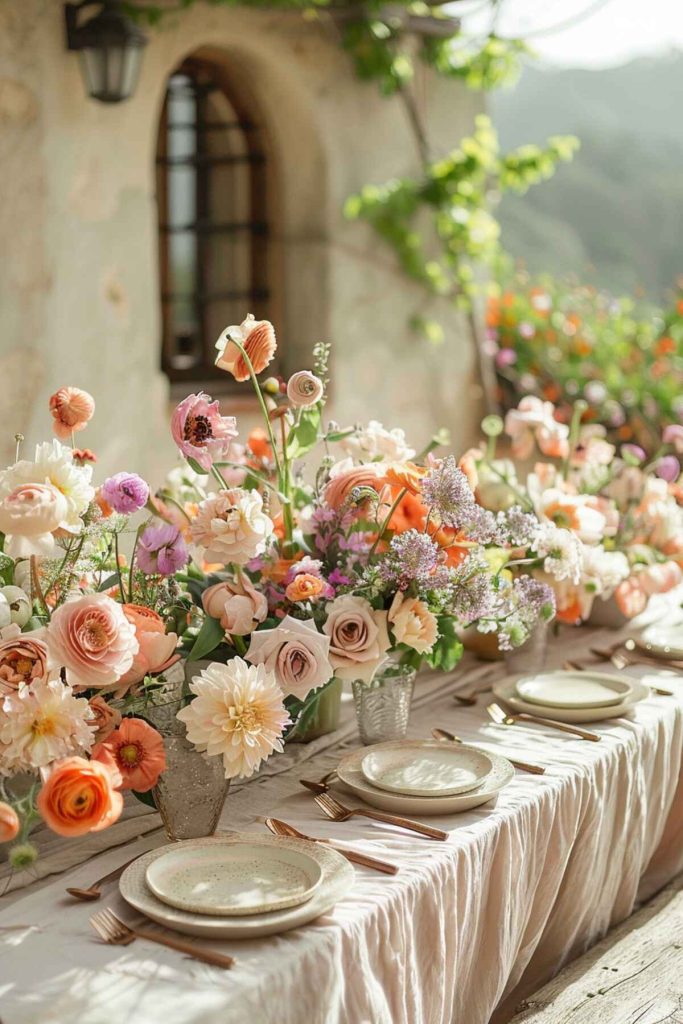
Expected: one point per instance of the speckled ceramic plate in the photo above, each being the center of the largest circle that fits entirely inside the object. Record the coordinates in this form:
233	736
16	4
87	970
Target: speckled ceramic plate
337	879
351	776
235	880
507	692
428	771
573	689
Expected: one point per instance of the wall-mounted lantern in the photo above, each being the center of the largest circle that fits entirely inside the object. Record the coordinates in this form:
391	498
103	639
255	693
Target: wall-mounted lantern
110	47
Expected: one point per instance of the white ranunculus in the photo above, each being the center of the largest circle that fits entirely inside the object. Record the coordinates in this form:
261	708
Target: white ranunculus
296	652
375	442
232	527
29	515
19	605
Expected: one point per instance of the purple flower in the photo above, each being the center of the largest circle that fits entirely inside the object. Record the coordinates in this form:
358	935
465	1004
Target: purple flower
412	557
505	357
161	550
633	454
447	493
125	492
668	468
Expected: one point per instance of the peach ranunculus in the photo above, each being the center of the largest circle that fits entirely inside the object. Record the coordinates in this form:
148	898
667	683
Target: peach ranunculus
72	409
156	647
634	593
232	526
304	389
22	660
105	718
29	515
79	796
305	587
237	604
9	823
257	338
412	623
296	652
346	477
93	639
358	637
136	751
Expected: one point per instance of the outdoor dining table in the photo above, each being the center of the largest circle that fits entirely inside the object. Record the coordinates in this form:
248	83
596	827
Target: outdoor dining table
461	934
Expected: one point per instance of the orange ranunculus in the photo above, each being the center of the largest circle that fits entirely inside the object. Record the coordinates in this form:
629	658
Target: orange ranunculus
72	410
405	475
79	796
409	514
305	587
9	823
256	337
625	432
259	445
136	751
278	571
104	506
340	486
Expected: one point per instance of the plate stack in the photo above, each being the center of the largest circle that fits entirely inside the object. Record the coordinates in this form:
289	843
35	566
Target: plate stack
572	697
663	641
239	886
424	776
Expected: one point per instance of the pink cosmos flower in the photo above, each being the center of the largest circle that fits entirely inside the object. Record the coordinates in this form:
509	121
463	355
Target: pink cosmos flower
200	431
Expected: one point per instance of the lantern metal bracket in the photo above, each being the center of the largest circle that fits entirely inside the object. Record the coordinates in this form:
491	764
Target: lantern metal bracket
71	12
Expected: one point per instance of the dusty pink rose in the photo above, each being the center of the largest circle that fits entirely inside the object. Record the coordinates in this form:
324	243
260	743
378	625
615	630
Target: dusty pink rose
237	604
296	652
200	431
257	338
93	639
72	409
22	661
358	637
105	718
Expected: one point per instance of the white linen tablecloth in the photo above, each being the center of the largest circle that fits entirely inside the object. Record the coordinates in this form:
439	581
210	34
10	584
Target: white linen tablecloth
459	936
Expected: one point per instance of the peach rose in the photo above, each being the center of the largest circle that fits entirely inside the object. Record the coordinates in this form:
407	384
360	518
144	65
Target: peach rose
72	409
358	637
93	639
79	796
237	604
346	477
22	660
412	623
257	338
105	718
305	587
156	647
9	823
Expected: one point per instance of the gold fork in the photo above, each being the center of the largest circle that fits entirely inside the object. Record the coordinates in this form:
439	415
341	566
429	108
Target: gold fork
321	785
338	812
524	766
500	717
283	828
114	931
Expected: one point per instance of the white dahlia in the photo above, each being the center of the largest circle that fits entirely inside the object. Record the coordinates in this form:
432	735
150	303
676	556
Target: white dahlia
41	724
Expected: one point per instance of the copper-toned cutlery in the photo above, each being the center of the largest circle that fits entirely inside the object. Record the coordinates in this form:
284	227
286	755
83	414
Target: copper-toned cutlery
114	931
94	891
283	828
338	812
501	717
524	766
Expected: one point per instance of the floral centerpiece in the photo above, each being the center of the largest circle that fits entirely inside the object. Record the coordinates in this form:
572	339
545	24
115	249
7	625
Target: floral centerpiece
623	510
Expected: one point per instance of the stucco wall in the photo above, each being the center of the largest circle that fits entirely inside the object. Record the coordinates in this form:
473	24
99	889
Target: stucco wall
78	274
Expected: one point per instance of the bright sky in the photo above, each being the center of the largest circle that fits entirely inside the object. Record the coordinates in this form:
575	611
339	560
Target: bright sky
612	31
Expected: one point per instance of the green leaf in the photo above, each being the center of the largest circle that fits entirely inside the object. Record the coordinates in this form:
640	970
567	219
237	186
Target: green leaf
304	435
145	798
193	464
447	651
208	638
111	581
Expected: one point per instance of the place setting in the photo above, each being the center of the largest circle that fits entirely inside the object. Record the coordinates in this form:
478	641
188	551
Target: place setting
562	699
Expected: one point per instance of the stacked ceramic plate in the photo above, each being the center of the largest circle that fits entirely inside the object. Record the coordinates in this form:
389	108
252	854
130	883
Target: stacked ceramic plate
238	886
572	696
424	776
663	641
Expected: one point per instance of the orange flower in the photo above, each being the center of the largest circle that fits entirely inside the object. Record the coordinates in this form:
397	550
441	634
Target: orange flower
305	587
72	410
665	346
278	571
79	797
409	514
257	338
259	444
340	486
136	751
83	455
9	823
468	465
571	615
453	544
104	506
405	475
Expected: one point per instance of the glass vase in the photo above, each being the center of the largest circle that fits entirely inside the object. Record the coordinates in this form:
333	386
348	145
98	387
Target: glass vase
531	656
383	704
191	791
323	718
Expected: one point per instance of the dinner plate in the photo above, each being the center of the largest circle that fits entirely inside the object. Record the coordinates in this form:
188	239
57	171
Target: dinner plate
506	691
337	879
442	771
235	880
573	689
663	640
351	776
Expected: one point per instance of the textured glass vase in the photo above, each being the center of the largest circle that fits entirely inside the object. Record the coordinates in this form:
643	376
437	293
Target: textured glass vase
324	717
191	791
383	705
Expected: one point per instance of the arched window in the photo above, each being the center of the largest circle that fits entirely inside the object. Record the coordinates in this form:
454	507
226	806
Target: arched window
213	219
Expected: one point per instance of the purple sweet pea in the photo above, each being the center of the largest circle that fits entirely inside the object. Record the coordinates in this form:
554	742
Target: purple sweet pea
668	468
161	550
125	492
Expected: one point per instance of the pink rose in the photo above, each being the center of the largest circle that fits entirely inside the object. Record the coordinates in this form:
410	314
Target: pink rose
358	637
296	652
237	604
93	639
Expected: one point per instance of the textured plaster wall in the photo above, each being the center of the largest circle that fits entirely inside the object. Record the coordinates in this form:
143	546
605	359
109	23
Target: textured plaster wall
78	273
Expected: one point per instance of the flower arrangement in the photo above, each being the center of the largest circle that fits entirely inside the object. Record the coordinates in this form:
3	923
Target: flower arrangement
274	570
561	341
622	509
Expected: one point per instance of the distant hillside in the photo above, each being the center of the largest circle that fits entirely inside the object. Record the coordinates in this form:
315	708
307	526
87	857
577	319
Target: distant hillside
615	215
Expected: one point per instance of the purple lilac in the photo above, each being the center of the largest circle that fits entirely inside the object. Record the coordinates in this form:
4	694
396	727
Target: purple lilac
447	493
412	558
471	593
161	550
125	492
516	527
